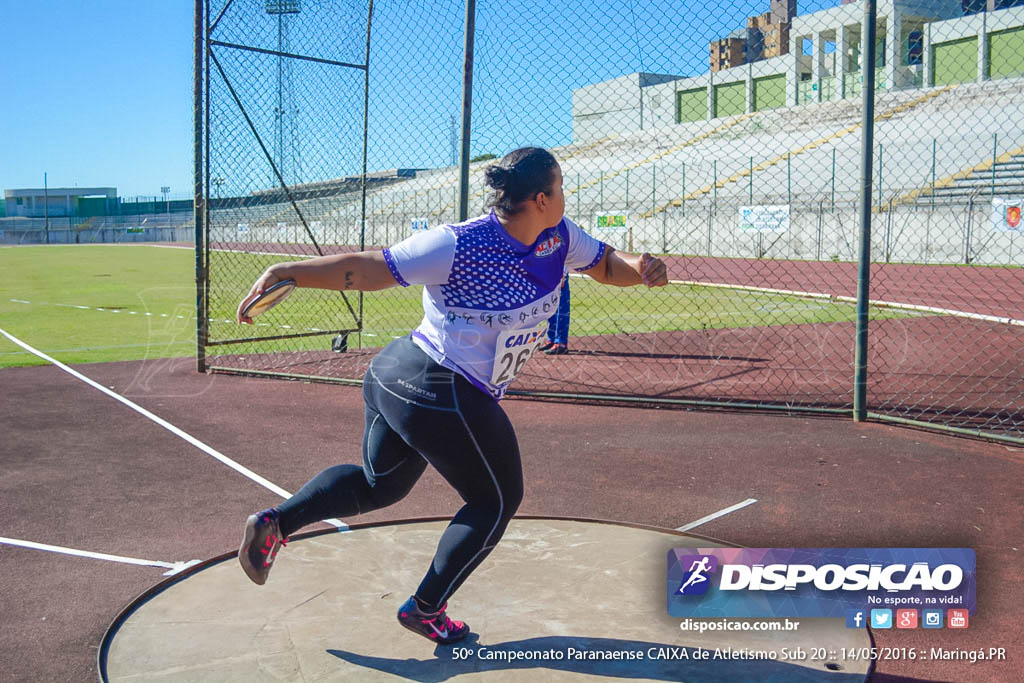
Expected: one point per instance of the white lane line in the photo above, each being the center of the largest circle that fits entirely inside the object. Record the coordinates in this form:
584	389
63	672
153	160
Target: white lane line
1016	322
168	426
101	348
716	515
172	567
898	305
147	313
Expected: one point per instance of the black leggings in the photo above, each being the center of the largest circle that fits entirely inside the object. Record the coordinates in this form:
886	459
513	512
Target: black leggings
418	412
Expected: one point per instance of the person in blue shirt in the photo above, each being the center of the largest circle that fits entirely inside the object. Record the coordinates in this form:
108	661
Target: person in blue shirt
490	284
558	324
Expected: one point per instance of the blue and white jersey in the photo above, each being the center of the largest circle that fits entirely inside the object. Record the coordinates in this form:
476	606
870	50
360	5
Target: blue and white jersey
487	297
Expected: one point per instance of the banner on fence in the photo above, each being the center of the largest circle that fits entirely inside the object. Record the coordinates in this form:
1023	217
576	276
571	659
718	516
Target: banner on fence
611	222
419	224
1005	216
243	228
772	218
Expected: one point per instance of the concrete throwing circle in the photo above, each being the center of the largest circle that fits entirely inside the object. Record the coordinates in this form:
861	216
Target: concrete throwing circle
555	601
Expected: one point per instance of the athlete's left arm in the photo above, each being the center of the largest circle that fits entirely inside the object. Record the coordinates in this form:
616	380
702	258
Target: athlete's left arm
624	270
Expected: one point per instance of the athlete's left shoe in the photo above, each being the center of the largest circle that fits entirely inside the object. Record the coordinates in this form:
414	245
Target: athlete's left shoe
260	542
557	350
435	626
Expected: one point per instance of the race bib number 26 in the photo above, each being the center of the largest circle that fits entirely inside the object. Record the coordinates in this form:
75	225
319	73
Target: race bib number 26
514	348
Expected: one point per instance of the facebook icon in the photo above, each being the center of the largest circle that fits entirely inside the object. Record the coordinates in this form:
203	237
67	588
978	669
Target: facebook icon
855	618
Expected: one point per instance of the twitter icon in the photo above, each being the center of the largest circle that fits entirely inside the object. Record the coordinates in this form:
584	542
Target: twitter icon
881	618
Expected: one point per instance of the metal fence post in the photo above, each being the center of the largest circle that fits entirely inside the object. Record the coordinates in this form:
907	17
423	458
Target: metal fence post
970	226
995	156
833	179
467	109
751	181
577	195
933	176
789	180
682	197
197	169
654	189
714	184
627	190
888	234
817	254
366	132
880	192
46	206
864	266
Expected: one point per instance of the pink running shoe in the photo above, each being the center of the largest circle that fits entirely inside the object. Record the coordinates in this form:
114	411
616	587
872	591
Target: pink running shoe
434	626
260	544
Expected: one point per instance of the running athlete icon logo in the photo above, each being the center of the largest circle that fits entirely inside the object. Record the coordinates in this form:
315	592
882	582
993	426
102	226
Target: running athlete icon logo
696	581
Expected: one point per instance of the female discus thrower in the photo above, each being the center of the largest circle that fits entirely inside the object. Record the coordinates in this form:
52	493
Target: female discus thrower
490	285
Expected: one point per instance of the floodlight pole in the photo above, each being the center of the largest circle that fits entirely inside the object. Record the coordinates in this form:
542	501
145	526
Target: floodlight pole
864	267
165	190
46	207
467	109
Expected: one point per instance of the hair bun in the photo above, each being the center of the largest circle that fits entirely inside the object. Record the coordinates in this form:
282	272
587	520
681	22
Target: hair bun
497	176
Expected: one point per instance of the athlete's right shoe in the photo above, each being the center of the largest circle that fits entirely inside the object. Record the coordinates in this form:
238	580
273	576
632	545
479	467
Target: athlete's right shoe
435	626
260	543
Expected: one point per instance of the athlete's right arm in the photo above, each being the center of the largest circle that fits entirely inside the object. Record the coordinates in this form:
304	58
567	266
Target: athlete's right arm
366	271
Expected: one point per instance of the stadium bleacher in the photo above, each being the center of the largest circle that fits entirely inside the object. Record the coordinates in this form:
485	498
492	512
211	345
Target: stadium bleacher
962	138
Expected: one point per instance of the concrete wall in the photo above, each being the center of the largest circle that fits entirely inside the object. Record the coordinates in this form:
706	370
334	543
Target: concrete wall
24	234
944	235
616	106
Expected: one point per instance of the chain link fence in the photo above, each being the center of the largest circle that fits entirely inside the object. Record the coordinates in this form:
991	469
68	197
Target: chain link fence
728	138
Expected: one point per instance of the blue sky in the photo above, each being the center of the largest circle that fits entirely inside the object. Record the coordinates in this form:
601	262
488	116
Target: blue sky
100	93
96	94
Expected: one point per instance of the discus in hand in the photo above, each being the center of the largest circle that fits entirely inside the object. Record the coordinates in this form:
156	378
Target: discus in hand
271	296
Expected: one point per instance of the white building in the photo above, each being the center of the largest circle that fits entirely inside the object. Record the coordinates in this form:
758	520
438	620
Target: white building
920	43
60	201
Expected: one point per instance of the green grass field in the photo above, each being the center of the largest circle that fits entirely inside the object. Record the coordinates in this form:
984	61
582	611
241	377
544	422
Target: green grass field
89	304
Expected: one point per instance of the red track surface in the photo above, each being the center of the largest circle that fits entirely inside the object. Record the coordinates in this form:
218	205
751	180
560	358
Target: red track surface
985	290
83	471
